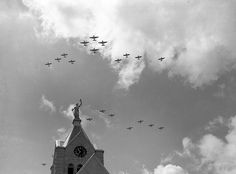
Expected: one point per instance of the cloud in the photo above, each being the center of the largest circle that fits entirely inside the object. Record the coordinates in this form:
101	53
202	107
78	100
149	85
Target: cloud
216	122
167	169
212	154
218	153
197	41
47	105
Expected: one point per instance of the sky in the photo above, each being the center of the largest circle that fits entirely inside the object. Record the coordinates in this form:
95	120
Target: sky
192	92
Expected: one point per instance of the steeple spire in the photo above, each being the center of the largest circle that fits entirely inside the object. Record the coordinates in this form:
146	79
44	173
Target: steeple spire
77	120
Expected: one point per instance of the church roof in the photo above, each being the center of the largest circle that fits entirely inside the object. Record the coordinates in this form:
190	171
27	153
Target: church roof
93	164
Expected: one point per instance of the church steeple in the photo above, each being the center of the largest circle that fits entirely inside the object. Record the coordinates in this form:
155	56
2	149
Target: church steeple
77	155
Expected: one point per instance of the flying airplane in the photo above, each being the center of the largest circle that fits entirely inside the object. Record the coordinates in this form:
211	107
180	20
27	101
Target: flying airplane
129	128
102	110
138	57
111	115
93	37
84	43
89	119
94	50
140	121
58	59
103	42
161	127
48	64
72	61
64	55
118	60
161	58
43	164
126	55
150	125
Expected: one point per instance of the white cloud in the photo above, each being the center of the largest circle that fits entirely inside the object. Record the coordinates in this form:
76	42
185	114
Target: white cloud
47	105
212	154
169	169
197	41
166	169
219	153
216	122
68	112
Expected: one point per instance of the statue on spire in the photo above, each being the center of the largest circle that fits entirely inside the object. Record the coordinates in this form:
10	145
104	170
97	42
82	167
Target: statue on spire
76	109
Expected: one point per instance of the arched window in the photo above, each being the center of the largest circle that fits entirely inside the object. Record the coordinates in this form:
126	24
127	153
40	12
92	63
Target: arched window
71	168
79	167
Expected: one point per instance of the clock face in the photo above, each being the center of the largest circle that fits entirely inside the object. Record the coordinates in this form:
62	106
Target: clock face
80	151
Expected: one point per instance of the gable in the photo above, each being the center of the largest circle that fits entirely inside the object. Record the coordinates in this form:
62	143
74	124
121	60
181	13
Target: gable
81	139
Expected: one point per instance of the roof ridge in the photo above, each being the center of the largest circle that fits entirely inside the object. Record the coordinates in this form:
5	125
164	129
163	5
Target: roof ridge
97	160
85	163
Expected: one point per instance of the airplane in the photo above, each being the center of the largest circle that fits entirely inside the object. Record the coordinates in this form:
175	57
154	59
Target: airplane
94	50
93	37
103	42
161	58
111	115
48	64
72	61
118	60
89	119
140	121
102	110
129	128
43	164
58	59
84	43
161	127
64	55
126	55
150	125
138	57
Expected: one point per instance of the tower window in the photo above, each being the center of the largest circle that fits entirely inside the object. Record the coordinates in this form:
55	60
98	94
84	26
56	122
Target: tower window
79	167
71	168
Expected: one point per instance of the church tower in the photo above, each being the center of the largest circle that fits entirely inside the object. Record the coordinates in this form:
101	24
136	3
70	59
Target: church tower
77	155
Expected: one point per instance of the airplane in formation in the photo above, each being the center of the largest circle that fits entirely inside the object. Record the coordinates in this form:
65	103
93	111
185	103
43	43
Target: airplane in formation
118	60
103	42
94	50
138	57
161	127
48	64
140	121
93	37
111	115
64	55
126	55
161	58
72	61
89	119
84	43
151	125
43	164
102	110
58	59
129	128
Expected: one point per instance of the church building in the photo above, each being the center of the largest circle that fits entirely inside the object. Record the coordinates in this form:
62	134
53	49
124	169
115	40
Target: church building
77	155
